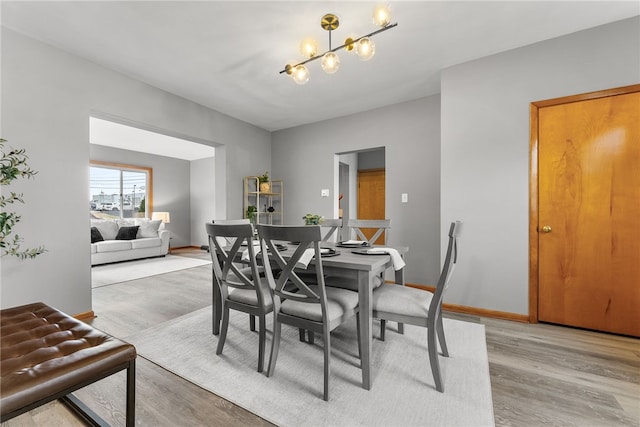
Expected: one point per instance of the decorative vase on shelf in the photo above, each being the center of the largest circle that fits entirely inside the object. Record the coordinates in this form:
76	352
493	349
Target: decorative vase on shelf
265	184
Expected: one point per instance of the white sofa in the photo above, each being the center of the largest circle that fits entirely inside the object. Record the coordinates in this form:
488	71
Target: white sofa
150	240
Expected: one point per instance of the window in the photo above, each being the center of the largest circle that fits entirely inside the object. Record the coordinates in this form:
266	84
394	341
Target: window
119	191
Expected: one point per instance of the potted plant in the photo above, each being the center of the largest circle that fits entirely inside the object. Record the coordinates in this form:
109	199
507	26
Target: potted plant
265	185
312	219
251	213
13	165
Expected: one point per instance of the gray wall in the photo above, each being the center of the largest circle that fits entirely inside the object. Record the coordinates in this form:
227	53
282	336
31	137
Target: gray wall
47	98
485	149
171	182
410	132
202	188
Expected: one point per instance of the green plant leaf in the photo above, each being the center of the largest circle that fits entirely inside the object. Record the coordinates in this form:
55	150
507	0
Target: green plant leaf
13	165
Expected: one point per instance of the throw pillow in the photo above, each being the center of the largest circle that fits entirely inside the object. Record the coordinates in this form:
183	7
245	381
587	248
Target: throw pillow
108	229
95	235
127	233
126	222
149	228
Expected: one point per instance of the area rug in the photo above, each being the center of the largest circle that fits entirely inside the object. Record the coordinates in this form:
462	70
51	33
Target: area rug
108	274
402	393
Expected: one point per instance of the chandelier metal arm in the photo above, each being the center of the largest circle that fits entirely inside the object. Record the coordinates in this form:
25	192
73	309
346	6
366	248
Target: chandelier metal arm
313	58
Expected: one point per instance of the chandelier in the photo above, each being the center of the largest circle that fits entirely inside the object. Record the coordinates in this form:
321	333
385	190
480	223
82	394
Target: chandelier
363	46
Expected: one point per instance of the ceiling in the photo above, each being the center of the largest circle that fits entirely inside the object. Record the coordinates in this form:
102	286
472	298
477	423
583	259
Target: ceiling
226	55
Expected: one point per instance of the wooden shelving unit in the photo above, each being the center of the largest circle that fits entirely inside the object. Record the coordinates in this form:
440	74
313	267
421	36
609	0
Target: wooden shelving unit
269	204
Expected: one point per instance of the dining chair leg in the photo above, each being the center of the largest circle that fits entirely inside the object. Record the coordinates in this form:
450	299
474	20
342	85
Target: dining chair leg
441	338
261	340
327	361
252	323
275	347
433	358
359	343
223	329
302	333
311	336
383	328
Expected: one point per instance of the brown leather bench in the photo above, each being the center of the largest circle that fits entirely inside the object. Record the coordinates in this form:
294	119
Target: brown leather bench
46	355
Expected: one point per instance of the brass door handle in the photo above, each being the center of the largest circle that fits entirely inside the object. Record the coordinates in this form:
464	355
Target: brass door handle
546	229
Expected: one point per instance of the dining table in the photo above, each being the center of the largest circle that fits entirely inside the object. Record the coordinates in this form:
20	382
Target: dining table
349	264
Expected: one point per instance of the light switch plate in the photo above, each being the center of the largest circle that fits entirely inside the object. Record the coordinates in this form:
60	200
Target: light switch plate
324	192
405	197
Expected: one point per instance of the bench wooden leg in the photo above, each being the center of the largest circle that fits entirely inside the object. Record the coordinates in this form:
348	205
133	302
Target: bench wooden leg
131	394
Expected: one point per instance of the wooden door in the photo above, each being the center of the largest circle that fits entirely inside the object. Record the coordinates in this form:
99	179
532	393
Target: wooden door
371	198
589	213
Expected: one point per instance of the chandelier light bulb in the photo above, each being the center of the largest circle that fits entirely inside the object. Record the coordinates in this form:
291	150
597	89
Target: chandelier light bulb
309	47
300	74
365	49
330	62
381	15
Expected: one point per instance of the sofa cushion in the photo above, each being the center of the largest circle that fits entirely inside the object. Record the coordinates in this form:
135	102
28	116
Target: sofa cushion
148	228
149	242
95	235
127	233
108	229
113	245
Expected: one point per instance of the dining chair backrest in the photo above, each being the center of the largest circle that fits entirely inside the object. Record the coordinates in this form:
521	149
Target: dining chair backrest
228	272
379	227
334	225
231	221
450	261
309	237
229	240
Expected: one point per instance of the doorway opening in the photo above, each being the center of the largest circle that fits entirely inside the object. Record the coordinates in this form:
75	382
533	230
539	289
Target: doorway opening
357	201
188	181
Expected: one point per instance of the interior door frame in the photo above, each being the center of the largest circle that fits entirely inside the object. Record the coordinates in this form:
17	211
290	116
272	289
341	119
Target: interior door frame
533	181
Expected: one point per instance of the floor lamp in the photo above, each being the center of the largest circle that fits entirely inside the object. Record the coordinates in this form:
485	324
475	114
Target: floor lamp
165	217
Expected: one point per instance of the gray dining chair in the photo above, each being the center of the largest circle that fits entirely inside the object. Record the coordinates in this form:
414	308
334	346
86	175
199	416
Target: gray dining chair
413	306
229	241
380	227
241	288
316	308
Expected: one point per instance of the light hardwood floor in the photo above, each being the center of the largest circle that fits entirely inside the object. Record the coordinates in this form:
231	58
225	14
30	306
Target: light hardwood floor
540	374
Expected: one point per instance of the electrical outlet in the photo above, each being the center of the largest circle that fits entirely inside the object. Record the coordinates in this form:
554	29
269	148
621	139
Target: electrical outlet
324	192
